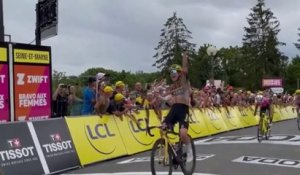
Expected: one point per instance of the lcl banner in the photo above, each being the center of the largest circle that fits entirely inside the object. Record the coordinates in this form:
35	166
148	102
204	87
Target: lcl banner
32	82
4	84
18	154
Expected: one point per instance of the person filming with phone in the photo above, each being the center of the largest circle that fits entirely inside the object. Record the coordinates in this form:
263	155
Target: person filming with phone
60	101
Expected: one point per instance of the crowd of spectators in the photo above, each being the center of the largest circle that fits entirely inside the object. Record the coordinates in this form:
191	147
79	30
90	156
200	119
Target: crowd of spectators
102	97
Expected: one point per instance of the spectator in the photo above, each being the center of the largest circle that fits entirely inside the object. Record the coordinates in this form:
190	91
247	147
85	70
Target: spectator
120	87
75	103
89	97
103	101
60	101
137	92
102	80
117	105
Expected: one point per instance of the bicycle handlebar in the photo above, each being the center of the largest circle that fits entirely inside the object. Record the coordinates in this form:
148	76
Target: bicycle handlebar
148	130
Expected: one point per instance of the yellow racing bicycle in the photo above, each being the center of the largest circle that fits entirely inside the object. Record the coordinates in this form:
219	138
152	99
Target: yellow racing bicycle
167	154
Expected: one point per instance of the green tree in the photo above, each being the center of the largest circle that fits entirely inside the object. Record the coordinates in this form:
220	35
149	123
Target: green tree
262	57
231	67
292	74
297	45
174	40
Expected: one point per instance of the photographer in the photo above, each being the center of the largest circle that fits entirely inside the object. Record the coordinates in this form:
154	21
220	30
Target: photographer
60	101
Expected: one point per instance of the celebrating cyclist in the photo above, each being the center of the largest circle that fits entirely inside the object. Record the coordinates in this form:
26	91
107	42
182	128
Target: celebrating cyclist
179	111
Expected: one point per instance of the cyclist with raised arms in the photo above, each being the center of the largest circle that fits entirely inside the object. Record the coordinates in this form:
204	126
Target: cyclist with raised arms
179	112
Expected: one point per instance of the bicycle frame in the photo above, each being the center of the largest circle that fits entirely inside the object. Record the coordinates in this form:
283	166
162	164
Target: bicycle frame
264	123
263	127
167	142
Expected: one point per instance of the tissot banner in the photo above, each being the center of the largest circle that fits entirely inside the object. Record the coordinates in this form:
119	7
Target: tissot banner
18	154
56	144
32	82
4	84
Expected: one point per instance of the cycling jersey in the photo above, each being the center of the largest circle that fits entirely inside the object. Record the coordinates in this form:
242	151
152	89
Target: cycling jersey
265	102
297	101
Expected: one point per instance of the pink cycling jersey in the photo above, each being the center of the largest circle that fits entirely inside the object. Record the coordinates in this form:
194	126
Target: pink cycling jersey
297	100
265	102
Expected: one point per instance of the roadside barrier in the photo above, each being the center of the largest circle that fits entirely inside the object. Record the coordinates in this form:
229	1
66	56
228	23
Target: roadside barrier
54	145
37	147
96	138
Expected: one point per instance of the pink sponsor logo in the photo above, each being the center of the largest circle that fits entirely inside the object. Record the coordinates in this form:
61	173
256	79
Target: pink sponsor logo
272	82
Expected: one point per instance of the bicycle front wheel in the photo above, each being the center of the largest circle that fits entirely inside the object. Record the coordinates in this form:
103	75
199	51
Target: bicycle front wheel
268	127
161	161
188	167
259	130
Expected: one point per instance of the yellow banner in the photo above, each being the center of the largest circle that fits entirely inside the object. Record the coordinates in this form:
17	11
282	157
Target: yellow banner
133	131
3	54
214	121
95	138
244	115
290	112
31	56
278	114
231	118
197	126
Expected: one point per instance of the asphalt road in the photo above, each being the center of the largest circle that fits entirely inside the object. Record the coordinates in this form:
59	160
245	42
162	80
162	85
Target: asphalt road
230	153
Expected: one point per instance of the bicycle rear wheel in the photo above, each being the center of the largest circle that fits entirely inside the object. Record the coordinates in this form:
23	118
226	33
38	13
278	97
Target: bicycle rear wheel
188	168
158	160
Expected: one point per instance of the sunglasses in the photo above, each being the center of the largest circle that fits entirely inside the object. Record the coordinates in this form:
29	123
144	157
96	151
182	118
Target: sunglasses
173	73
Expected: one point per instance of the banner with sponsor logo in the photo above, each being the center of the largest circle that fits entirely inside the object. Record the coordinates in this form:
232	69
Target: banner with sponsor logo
32	82
96	138
214	121
56	144
197	125
18	154
4	84
231	118
272	82
133	131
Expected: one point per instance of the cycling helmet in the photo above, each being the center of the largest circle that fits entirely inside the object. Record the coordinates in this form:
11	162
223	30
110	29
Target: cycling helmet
260	92
176	67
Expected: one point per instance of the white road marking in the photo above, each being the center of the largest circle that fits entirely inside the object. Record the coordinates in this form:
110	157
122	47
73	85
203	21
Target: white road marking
275	139
139	173
268	161
199	157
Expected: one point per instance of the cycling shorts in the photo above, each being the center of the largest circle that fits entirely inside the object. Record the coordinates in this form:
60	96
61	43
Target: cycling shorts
264	109
178	113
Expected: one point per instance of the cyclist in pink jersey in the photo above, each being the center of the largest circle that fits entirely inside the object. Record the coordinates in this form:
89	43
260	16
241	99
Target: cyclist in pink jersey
297	100
264	104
